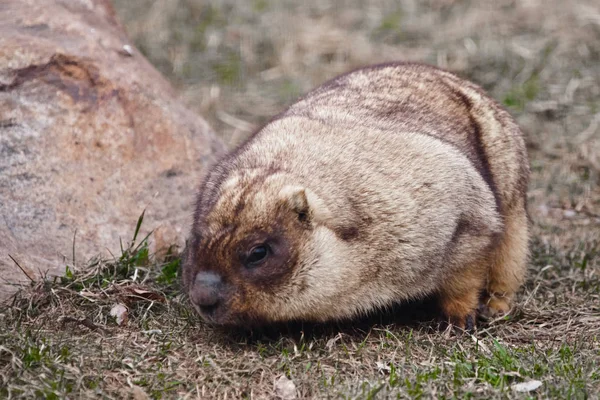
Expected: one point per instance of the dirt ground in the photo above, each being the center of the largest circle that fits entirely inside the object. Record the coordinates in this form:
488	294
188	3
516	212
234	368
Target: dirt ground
237	64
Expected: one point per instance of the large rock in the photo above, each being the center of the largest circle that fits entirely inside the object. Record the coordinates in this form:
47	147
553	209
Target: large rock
90	136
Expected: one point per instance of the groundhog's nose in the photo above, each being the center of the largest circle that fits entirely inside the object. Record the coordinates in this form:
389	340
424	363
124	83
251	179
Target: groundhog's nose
205	292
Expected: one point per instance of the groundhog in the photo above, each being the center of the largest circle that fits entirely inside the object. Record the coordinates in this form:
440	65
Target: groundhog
384	185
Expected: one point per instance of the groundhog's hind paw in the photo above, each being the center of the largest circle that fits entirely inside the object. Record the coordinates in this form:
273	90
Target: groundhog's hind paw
494	306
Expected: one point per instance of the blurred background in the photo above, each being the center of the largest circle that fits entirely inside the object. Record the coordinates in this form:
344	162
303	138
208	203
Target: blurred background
238	63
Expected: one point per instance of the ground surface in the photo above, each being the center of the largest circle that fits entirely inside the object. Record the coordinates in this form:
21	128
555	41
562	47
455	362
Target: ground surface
238	63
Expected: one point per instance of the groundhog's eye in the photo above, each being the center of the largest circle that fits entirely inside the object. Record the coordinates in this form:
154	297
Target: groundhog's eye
302	217
257	255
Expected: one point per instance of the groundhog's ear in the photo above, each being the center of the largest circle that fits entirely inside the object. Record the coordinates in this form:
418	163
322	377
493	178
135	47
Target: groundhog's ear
305	203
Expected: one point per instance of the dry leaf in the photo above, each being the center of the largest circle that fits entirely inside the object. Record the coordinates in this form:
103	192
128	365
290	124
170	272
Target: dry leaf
285	388
138	393
137	293
383	367
119	312
526	386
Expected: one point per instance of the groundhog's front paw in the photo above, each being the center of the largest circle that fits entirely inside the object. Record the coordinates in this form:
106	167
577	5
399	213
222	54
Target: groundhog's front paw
461	323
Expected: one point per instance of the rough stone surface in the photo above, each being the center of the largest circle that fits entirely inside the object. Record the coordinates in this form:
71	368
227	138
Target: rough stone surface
90	136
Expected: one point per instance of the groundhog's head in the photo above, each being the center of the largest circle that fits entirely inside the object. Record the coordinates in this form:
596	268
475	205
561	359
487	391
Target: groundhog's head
265	249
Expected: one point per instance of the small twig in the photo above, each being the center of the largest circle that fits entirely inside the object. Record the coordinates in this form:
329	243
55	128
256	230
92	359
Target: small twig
22	269
586	134
74	236
84	322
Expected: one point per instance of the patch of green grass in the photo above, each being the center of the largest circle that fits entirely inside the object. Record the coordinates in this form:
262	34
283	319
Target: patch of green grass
229	71
520	95
464	372
391	22
260	5
389	29
169	272
134	260
49	361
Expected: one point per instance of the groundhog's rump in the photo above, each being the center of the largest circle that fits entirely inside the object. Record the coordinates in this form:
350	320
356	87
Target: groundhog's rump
386	184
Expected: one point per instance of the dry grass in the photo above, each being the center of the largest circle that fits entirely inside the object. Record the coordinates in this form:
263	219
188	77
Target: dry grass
238	63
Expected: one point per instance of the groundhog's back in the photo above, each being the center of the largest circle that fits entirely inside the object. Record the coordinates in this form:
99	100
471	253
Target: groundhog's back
406	97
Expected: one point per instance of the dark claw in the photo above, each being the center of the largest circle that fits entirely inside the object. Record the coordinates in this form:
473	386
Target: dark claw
468	327
470	324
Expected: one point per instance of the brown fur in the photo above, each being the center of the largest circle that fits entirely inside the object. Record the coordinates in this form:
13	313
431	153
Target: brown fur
386	184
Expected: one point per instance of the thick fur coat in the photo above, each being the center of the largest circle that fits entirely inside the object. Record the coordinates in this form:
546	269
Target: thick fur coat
386	184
